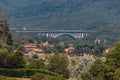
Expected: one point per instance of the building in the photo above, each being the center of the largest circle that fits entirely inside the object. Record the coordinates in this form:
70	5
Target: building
38	51
30	47
69	49
106	51
98	41
46	44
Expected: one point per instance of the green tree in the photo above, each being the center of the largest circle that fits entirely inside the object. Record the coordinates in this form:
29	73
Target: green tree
38	64
16	60
117	74
4	51
5	36
112	62
97	70
35	56
3	57
9	39
86	76
8	60
58	63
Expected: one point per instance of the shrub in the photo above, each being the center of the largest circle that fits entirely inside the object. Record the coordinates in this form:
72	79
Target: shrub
4	78
23	72
59	63
36	64
39	76
86	76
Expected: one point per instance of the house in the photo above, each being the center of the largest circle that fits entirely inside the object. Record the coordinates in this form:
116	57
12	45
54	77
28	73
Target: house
69	49
42	56
46	44
30	47
106	51
37	50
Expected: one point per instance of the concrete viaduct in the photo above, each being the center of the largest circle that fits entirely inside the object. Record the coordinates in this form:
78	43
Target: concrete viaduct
56	33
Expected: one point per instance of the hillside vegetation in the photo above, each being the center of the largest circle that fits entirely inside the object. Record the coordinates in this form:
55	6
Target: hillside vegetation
99	15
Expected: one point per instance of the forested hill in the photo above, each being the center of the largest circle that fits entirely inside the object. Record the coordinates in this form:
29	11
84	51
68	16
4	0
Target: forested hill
100	15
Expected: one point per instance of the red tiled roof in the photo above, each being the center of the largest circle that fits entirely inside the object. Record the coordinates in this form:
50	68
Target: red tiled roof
46	45
30	45
69	49
38	50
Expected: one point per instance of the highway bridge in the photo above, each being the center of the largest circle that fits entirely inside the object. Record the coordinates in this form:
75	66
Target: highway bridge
55	33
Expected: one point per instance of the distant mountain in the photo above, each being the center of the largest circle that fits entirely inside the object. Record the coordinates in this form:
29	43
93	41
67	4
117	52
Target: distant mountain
100	15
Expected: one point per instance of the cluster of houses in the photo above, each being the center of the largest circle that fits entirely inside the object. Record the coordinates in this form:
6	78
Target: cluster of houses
32	48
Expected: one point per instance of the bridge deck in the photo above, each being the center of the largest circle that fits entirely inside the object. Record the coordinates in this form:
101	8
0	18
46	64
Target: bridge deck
55	31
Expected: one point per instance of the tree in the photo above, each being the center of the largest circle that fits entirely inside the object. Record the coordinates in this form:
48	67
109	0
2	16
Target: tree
35	56
86	76
16	60
97	70
112	62
9	39
3	57
37	64
5	36
58	63
82	66
117	74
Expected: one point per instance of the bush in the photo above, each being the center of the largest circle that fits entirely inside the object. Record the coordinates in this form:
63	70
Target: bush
59	64
23	72
35	56
86	76
11	60
4	78
36	64
46	77
117	74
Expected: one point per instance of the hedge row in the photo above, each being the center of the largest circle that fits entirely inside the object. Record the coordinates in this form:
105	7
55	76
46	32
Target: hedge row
24	72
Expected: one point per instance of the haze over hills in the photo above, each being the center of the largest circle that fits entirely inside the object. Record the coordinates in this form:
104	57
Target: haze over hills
100	15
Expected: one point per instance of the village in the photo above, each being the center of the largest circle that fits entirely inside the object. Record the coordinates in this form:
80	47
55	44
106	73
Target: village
44	50
36	51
